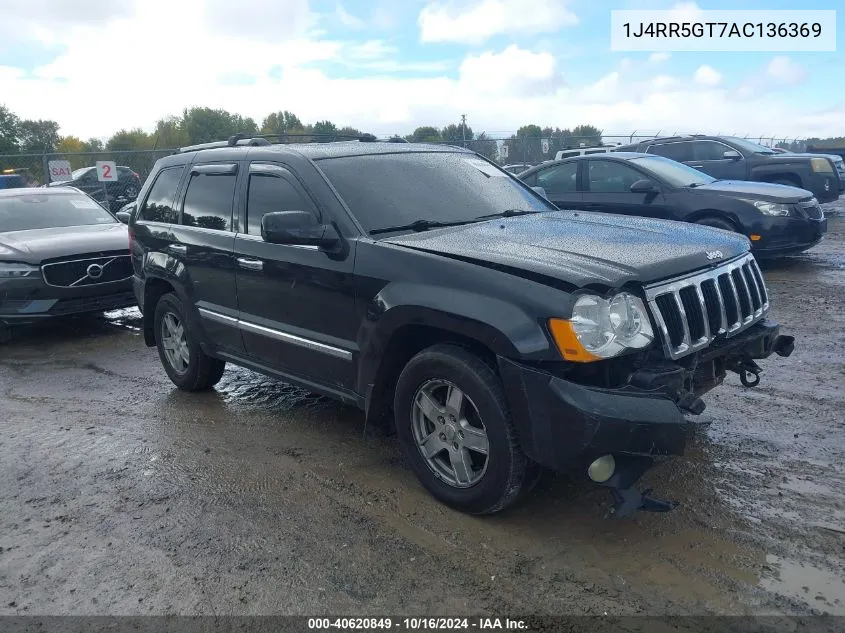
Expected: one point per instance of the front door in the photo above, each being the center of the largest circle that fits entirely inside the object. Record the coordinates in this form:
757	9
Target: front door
709	157
608	189
297	303
561	185
203	242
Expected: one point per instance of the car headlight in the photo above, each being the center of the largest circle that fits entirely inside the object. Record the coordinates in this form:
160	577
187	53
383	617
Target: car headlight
16	269
821	165
770	208
602	328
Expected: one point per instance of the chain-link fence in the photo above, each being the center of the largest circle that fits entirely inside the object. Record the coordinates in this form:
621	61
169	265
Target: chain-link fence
133	166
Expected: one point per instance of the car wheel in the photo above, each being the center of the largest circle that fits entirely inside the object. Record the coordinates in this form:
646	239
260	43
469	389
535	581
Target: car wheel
718	223
186	364
131	192
456	432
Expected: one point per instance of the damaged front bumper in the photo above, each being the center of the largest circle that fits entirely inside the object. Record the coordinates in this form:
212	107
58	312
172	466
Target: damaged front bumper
564	425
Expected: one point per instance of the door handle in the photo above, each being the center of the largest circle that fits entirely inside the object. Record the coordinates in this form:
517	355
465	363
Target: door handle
696	166
178	249
250	264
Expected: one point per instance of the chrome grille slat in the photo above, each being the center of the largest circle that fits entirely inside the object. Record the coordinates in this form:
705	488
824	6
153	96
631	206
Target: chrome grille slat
72	273
675	313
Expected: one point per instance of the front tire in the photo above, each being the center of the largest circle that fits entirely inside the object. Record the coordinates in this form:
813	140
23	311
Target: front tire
456	432
186	364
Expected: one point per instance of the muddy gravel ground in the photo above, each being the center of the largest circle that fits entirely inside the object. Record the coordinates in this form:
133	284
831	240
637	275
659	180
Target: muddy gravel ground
121	495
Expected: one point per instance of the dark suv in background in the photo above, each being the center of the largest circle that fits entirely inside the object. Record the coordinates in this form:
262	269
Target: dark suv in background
730	158
112	195
449	300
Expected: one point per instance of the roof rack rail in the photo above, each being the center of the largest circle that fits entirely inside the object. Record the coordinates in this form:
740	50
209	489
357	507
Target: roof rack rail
255	140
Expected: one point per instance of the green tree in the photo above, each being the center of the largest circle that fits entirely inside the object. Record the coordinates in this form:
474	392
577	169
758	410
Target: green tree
127	140
425	134
170	133
73	147
282	122
9	123
345	132
326	131
37	136
524	146
485	146
205	125
587	134
94	145
456	134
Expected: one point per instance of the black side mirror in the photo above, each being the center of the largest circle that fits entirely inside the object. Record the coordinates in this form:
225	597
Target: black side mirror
297	227
732	154
643	186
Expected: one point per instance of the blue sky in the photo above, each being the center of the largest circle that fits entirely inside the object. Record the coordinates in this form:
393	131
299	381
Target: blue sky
388	66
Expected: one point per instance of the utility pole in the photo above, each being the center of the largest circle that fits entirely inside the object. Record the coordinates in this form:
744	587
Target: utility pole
464	128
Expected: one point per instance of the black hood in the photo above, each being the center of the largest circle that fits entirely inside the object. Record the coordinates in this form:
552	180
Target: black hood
37	245
756	191
584	248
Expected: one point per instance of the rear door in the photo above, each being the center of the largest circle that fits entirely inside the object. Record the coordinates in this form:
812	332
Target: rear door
203	241
297	303
561	184
608	189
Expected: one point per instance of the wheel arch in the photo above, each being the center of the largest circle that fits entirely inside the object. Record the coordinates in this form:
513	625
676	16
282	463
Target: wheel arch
718	214
154	289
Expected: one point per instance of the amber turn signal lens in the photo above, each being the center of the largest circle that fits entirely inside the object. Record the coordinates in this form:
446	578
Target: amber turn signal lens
568	344
755	237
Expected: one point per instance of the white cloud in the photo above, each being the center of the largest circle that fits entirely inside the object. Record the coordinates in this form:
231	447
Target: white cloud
782	70
658	58
475	22
347	19
520	71
707	76
684	12
270	20
499	89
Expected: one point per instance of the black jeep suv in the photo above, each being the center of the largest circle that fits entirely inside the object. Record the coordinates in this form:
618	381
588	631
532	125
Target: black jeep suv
441	295
730	158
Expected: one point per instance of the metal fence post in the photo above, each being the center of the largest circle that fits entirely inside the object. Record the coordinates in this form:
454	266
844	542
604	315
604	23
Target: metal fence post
45	168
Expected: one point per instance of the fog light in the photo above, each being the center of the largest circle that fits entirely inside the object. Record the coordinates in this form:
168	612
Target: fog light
602	469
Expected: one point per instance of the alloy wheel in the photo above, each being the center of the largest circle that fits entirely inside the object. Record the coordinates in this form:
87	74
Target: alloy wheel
174	342
449	433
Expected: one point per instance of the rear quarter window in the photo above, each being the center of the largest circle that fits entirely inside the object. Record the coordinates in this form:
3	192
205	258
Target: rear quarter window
159	205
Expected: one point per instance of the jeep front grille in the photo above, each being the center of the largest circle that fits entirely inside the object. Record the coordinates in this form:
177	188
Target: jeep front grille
694	310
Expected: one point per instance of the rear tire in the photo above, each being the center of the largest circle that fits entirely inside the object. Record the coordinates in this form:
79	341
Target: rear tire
186	364
450	404
718	223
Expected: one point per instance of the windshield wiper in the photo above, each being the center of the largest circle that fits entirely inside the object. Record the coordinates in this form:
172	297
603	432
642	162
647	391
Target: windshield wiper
418	226
508	213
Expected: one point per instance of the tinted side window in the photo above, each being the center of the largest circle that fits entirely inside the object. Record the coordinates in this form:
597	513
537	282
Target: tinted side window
208	201
709	150
271	193
559	179
158	206
611	177
676	151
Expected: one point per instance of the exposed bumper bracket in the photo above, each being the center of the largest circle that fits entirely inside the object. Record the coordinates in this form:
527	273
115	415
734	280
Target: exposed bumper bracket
630	500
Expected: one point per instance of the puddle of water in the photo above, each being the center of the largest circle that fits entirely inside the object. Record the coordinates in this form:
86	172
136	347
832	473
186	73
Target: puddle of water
244	387
818	588
127	318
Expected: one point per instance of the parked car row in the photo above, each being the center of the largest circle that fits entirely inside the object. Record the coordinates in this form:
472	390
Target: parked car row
778	219
496	334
